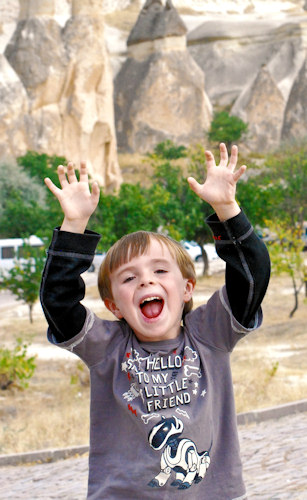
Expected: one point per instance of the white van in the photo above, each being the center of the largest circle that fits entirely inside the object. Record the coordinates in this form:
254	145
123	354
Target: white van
11	249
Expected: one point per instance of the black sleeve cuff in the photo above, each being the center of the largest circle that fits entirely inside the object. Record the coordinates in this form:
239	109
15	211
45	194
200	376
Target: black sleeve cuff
232	229
66	242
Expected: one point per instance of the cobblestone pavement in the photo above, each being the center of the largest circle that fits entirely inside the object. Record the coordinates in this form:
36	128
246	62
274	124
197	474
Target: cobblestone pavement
274	454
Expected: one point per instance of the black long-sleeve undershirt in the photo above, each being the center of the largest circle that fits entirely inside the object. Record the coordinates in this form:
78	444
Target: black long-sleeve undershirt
247	265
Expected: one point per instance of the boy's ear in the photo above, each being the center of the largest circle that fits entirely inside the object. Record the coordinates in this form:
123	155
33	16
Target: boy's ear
110	304
189	289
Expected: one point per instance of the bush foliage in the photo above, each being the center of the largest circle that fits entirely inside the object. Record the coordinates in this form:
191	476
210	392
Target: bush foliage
16	368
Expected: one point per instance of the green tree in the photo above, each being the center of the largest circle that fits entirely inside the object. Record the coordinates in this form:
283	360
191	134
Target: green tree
20	218
38	166
41	165
277	190
256	198
22	202
226	128
128	211
286	252
285	177
169	151
181	213
23	280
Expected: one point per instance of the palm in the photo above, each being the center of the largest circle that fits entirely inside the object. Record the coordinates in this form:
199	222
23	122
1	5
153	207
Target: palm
220	184
75	198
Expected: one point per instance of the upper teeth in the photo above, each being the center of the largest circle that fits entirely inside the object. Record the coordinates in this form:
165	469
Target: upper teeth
149	299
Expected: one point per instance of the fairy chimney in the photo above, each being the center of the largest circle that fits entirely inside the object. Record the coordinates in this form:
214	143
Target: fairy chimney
68	82
159	91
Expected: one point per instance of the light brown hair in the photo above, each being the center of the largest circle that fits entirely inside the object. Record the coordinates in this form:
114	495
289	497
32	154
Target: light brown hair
135	244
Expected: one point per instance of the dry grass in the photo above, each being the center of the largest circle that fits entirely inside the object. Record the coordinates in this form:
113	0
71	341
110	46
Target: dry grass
136	168
50	413
269	368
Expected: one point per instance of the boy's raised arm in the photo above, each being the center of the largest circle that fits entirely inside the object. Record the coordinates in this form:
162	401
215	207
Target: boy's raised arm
247	259
62	288
77	201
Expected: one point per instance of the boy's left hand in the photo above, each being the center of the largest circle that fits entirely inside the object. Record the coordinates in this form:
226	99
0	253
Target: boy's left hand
219	188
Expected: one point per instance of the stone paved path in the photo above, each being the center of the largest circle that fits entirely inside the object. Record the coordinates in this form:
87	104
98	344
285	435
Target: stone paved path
274	454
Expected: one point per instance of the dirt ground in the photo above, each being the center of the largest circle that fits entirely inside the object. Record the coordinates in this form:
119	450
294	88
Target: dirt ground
269	368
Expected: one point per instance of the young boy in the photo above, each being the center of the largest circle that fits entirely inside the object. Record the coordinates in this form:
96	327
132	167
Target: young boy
163	421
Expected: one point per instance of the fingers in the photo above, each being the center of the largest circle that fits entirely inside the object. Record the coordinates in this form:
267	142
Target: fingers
223	155
71	174
62	176
52	187
210	161
233	158
95	193
239	173
194	185
83	172
70	177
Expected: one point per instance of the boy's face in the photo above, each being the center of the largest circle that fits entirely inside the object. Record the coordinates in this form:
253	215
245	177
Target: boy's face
149	292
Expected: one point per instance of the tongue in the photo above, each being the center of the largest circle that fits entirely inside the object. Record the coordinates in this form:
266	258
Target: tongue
152	309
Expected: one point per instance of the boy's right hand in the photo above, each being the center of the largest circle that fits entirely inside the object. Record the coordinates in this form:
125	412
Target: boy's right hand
76	200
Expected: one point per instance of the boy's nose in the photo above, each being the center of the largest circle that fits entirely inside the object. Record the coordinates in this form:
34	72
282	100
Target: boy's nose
146	282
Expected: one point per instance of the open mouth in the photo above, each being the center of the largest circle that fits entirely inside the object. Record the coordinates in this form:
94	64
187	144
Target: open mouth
151	307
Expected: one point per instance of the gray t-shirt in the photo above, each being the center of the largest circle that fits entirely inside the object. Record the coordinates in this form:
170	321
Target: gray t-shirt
163	420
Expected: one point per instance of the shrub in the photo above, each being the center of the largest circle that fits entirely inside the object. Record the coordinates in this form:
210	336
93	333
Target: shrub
15	367
169	151
226	128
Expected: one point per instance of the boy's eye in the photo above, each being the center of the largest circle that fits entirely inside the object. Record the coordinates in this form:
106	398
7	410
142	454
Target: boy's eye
161	271
129	278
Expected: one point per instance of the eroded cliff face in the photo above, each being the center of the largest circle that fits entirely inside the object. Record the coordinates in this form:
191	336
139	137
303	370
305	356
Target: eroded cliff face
264	98
244	54
66	99
160	98
251	66
262	106
295	119
14	108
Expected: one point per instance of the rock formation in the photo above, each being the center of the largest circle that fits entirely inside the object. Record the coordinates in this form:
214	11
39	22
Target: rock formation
13	110
159	91
295	121
156	22
88	95
263	102
231	52
262	106
254	65
68	82
56	97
